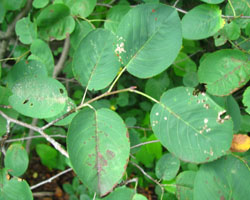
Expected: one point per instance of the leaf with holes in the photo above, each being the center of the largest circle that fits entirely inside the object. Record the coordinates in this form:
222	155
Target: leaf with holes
38	97
224	71
95	64
16	160
202	22
149	39
226	178
98	148
192	127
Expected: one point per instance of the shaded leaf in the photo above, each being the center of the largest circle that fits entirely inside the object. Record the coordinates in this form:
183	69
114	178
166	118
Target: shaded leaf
149	35
185	185
223	179
192	127
16	160
167	167
224	71
246	99
213	1
97	141
39	3
202	22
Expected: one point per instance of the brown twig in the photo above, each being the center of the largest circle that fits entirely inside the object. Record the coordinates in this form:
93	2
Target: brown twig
37	129
59	66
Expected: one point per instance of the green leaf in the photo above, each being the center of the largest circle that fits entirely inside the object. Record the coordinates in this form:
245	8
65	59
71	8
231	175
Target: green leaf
51	14
47	154
245	123
167	167
16	189
226	178
202	22
114	16
59	30
38	97
41	52
232	30
149	35
185	185
191	126
139	197
157	85
224	71
95	64
26	30
25	68
70	105
241	7
152	151
246	99
213	1
2	11
4	95
16	160
82	28
97	141
82	8
183	64
13	4
121	193
40	3
190	79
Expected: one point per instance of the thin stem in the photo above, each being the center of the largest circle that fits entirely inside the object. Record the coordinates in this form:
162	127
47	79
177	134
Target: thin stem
31	137
145	95
148	176
117	78
60	64
17	58
231	5
144	143
37	129
176	2
50	179
31	133
105	5
87	20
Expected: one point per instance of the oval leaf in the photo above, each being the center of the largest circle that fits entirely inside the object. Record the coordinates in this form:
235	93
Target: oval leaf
226	178
185	185
26	30
95	64
167	167
38	97
149	39
16	160
16	189
202	22
52	14
213	1
98	148
224	71
192	127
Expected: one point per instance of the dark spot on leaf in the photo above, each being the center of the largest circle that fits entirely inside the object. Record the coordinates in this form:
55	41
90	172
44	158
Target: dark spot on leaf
103	162
156	19
89	164
26	101
61	90
207	158
89	155
110	154
153	10
127	134
27	62
52	11
31	104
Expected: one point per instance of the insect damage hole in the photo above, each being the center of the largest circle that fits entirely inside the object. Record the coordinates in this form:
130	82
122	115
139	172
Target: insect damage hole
222	117
26	101
61	90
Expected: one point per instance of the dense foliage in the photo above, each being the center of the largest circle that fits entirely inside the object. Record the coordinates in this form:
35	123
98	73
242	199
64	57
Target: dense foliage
129	94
